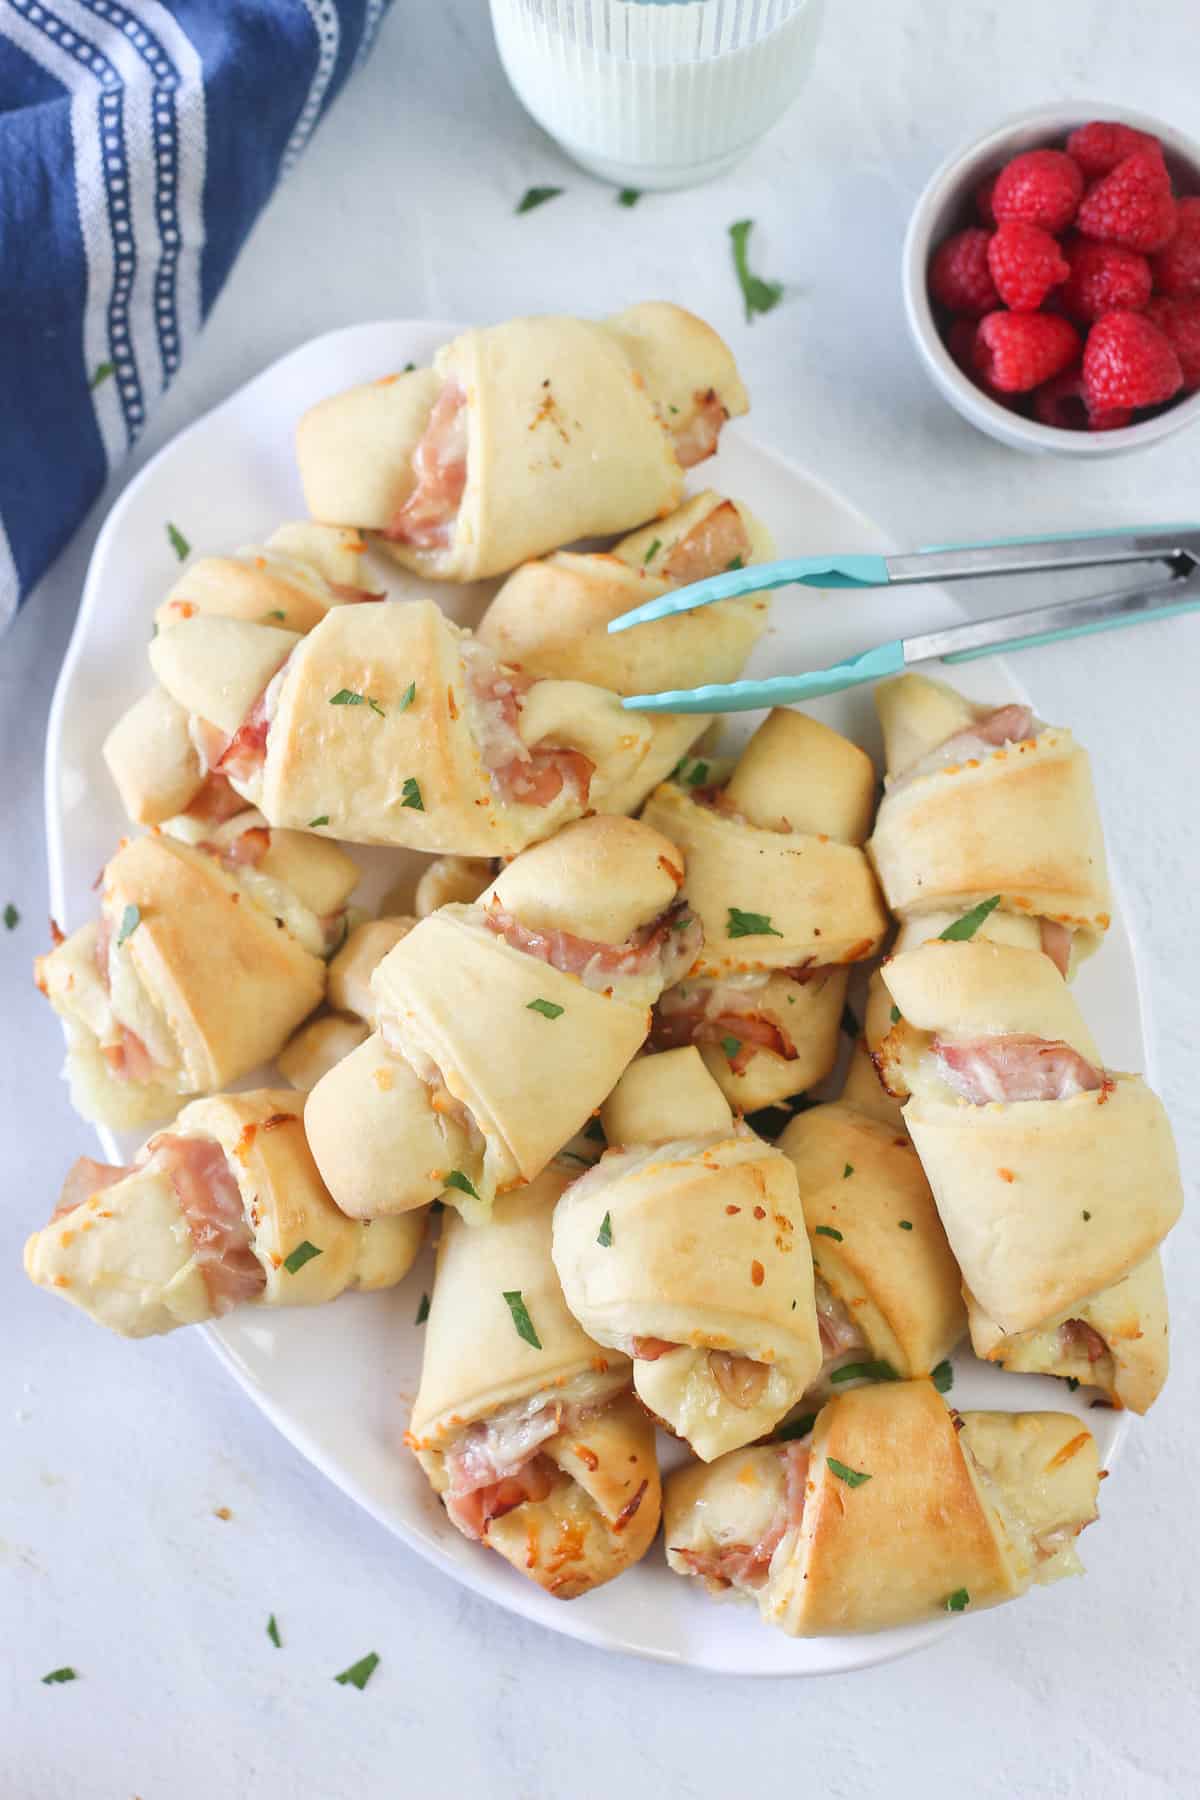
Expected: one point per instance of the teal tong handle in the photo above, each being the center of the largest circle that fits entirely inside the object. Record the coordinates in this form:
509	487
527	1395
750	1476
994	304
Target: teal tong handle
778	690
806	571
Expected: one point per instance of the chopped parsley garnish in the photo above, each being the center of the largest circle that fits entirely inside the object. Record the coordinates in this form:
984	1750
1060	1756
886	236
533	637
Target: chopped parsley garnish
737	562
895	1015
178	542
865	1371
131	918
849	1022
759	295
549	1009
958	1601
412	794
1085	1217
969	924
847	1171
375	707
795	1428
346	697
304	1252
906	1224
100	376
359	1673
828	1231
943	1377
697	775
521	1318
682	922
275	613
750	924
273	1632
629	196
423	1310
852	1477
408	368
12	917
604	1235
456	1179
653	551
536	196
59	1675
321	819
407	697
731	1046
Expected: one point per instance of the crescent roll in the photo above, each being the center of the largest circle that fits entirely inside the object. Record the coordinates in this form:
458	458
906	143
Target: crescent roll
1115	1341
787	900
225	1208
550	618
204	959
887	1286
291	581
1053	1176
502	1025
524	1426
684	1248
895	1510
987	800
324	1041
522	437
387	724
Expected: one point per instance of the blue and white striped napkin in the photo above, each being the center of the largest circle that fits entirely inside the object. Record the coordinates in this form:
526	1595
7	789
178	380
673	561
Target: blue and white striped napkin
139	140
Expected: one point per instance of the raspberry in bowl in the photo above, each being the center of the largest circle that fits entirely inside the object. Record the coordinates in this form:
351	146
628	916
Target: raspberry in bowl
1052	280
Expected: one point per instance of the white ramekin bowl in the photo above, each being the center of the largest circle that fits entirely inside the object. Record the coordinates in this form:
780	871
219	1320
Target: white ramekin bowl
946	206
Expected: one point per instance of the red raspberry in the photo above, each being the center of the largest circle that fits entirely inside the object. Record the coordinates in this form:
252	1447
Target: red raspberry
1061	403
959	276
1042	187
983	200
1026	263
960	342
1132	206
1179	322
1100	146
1177	268
1018	351
1127	361
1104	278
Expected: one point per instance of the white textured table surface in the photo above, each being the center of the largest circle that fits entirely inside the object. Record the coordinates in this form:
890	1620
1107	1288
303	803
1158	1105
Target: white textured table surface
115	1457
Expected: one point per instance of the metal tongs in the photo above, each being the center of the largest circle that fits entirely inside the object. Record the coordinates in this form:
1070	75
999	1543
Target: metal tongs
1172	550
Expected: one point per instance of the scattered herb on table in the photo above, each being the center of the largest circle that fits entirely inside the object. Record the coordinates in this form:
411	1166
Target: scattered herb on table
629	196
359	1673
178	542
759	295
57	1676
12	917
273	1632
536	196
102	373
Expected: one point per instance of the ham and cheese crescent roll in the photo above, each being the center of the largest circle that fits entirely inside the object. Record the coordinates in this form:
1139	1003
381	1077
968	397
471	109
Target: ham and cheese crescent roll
1115	1341
987	800
290	581
895	1510
522	437
324	1041
1053	1176
524	1426
684	1247
887	1286
502	1025
204	959
787	900
225	1208
387	724
551	617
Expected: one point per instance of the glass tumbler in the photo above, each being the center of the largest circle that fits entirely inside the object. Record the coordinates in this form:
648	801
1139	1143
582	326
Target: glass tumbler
656	93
